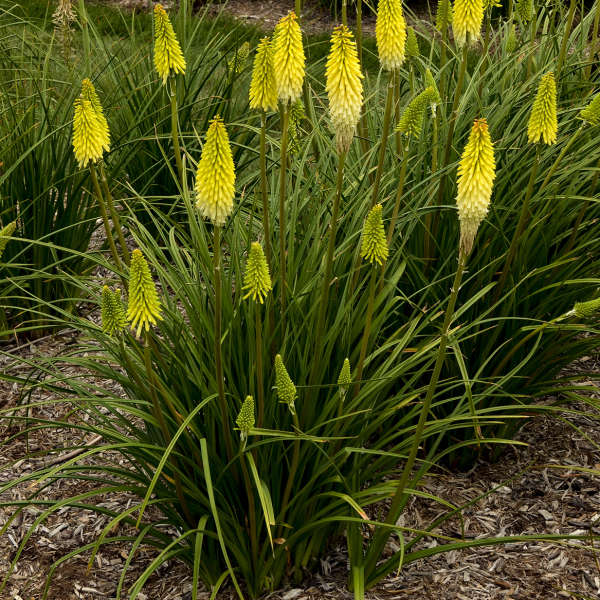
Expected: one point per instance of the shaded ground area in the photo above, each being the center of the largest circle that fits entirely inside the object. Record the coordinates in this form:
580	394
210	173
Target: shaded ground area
549	486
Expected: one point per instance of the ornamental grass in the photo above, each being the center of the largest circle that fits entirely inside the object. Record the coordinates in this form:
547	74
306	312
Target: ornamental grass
317	314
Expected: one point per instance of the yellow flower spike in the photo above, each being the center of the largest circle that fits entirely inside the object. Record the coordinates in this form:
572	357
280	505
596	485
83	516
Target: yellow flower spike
585	310
412	44
89	136
245	419
143	307
411	121
6	233
215	178
525	10
476	174
286	390
237	62
288	58
88	92
374	246
263	88
168	57
468	16
390	34
112	312
344	86
591	113
257	279
345	377
543	124
444	14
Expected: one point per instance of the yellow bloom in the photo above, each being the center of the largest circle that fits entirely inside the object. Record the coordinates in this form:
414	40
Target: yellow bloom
257	279
112	311
411	121
412	44
288	58
345	377
585	310
215	178
89	135
245	418
286	390
390	34
5	233
542	122
88	92
468	16
143	307
476	174
344	86
443	15
167	51
263	89
374	246
591	113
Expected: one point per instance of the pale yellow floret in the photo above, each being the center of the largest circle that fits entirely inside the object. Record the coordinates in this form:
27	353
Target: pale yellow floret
167	51
390	34
215	178
476	174
543	124
89	136
263	89
344	86
288	59
467	19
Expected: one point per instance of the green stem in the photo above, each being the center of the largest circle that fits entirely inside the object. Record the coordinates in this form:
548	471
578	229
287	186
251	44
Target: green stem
397	104
85	34
298	7
102	205
114	215
175	129
259	367
565	40
345	13
387	117
324	302
282	227
399	194
290	481
532	34
382	535
595	41
434	160
359	36
560	157
251	508
218	350
366	331
523	217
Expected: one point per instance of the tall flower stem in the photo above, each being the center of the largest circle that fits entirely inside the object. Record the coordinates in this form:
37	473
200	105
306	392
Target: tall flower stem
345	12
558	160
397	104
565	39
85	34
450	136
595	44
259	365
218	350
251	505
532	34
399	193
523	217
381	535
266	221
175	128
328	267
282	226
114	215
434	167
359	36
292	474
107	228
366	331
387	117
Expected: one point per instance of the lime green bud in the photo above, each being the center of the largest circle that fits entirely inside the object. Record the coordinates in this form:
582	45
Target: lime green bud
6	233
443	15
543	124
585	310
245	418
591	113
412	44
345	377
511	39
257	279
168	57
489	4
524	9
237	62
286	390
411	121
430	83
374	246
296	116
144	307
112	311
